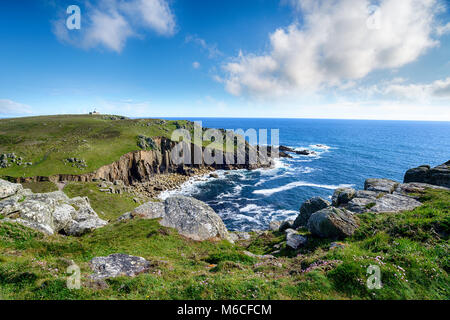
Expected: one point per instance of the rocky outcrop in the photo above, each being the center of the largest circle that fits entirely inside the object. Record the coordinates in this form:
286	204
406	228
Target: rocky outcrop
380	185
307	209
49	213
332	223
190	217
394	203
439	176
381	195
303	152
140	166
118	265
342	196
8	189
411	189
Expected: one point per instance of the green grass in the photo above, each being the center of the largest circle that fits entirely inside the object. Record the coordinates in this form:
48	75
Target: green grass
102	202
40	187
411	248
47	141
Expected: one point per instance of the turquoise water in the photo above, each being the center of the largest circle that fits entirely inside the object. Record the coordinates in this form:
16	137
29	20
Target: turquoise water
355	150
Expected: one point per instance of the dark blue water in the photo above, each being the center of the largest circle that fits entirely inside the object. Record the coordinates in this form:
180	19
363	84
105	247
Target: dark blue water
357	149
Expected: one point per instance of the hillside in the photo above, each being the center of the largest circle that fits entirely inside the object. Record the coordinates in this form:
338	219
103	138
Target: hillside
48	142
411	249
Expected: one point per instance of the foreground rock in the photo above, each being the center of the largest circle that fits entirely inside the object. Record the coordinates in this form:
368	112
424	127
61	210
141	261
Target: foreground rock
294	240
117	265
380	185
395	203
192	218
307	209
8	189
49	213
343	196
332	223
439	176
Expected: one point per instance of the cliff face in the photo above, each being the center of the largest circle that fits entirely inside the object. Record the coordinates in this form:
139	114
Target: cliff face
139	166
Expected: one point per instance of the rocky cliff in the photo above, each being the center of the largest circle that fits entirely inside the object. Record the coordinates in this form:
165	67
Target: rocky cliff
140	166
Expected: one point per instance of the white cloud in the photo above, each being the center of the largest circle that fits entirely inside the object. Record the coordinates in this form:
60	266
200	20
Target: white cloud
196	65
423	92
338	41
211	49
441	30
9	107
110	23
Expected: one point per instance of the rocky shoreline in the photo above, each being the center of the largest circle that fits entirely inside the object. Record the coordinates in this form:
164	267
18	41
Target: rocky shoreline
55	213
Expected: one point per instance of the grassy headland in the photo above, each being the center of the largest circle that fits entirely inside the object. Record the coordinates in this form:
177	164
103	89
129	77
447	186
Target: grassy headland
411	248
48	141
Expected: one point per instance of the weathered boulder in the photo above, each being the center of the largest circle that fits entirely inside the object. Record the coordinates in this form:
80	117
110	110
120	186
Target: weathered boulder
308	208
294	240
439	176
380	185
192	218
49	213
286	224
366	194
342	196
360	205
394	203
117	265
332	223
8	189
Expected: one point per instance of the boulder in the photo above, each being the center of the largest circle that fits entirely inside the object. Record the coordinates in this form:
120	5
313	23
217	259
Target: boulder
366	194
192	218
295	241
439	176
49	213
360	205
117	265
274	225
332	223
342	196
394	203
308	208
380	185
286	224
8	189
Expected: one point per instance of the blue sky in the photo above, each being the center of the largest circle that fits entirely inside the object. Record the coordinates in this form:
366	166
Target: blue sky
352	59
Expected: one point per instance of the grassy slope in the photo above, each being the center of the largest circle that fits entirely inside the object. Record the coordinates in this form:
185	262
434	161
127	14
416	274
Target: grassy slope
33	267
48	140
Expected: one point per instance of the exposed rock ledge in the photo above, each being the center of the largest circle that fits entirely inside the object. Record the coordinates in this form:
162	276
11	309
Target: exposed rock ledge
49	213
140	166
339	219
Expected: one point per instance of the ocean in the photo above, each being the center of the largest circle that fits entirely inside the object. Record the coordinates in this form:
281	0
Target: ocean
347	152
